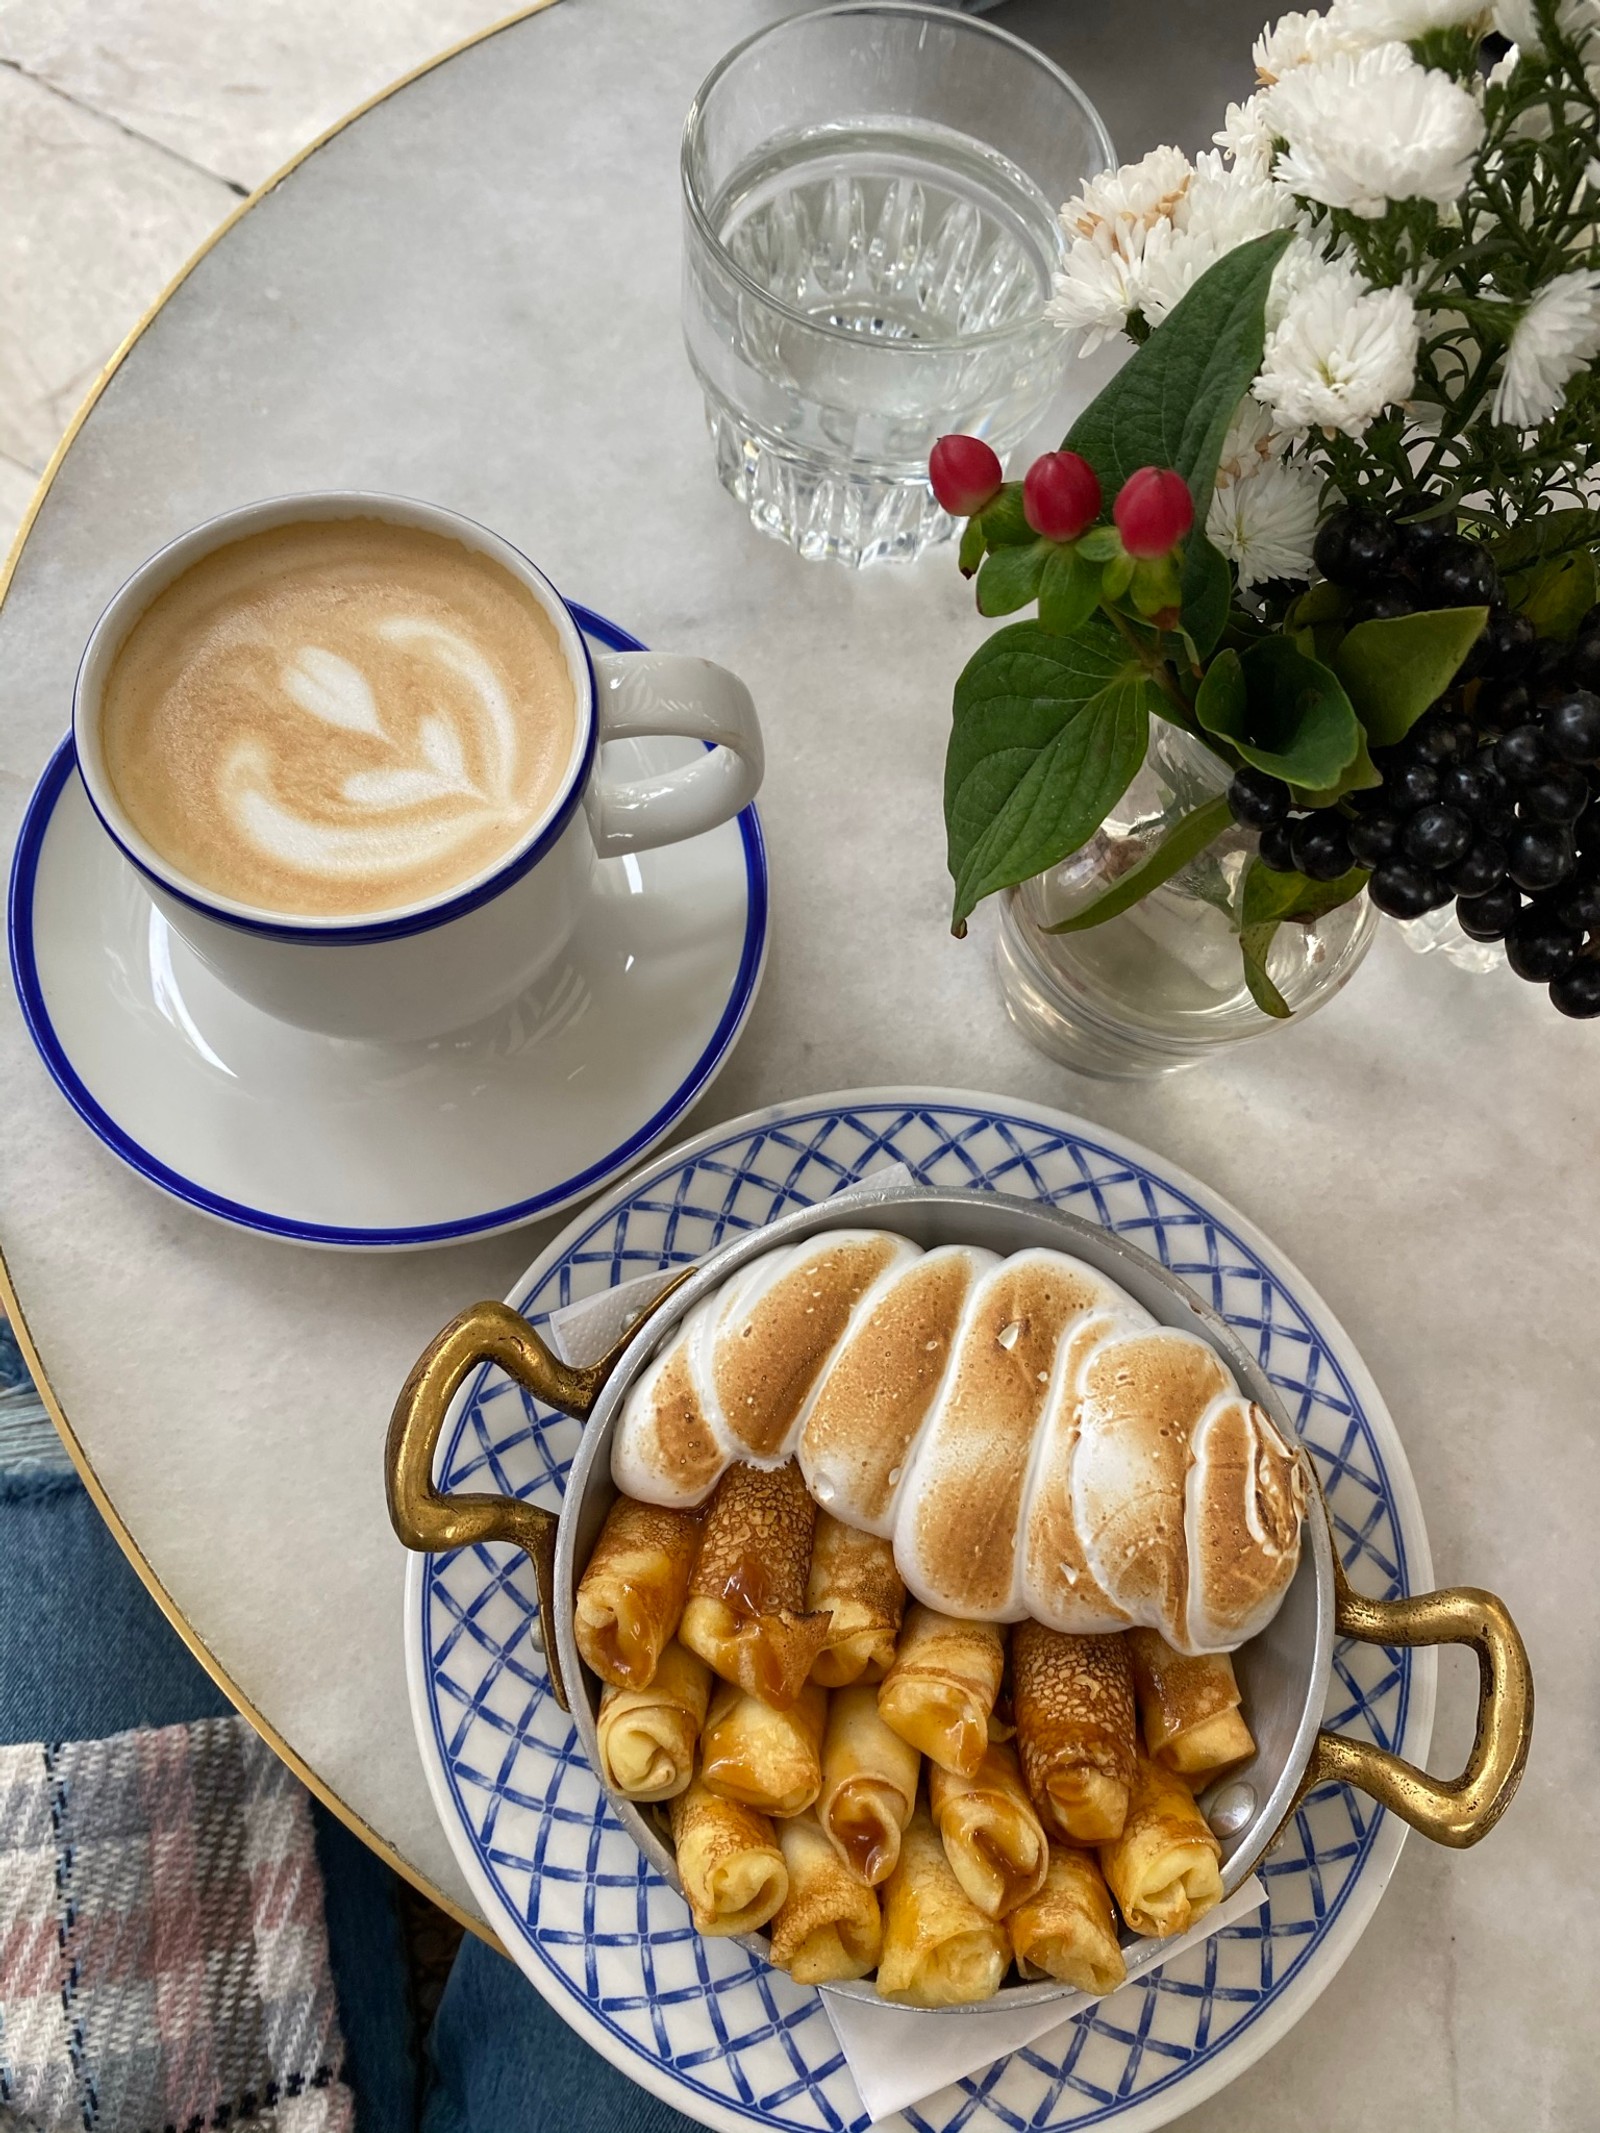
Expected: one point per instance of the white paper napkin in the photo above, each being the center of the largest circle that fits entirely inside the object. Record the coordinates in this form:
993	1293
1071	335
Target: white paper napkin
899	2055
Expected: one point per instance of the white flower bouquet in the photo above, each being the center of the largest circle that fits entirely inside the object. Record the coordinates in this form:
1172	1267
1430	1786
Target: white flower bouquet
1354	470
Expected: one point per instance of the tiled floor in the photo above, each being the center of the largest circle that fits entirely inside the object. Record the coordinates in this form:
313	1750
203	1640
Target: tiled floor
128	128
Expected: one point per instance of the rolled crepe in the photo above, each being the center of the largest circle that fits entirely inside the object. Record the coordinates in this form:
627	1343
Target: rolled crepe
1189	1708
942	1687
632	1594
853	1579
1165	1869
869	1784
938	1948
1067	1931
830	1926
993	1840
728	1861
768	1759
746	1614
1074	1708
648	1736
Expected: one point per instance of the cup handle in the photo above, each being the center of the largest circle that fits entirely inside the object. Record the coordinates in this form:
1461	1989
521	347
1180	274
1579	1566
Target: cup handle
433	1523
643	693
1454	1811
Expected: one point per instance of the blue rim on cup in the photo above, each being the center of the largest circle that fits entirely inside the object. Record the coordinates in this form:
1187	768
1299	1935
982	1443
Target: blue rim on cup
134	596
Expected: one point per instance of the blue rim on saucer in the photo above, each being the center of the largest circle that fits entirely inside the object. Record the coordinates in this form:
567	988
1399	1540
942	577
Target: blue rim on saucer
60	769
707	2026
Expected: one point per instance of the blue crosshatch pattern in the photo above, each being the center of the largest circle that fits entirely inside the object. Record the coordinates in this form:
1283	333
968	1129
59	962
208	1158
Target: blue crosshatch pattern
602	1929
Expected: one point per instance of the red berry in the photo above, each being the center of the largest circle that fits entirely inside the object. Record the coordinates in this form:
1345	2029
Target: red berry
966	474
1153	512
1060	496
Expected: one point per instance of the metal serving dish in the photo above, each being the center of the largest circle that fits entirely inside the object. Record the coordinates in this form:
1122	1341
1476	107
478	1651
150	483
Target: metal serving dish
1283	1673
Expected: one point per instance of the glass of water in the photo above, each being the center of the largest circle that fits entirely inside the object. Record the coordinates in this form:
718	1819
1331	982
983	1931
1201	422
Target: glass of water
870	197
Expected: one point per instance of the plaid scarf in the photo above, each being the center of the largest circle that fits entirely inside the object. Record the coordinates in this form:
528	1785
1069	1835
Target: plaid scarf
163	1955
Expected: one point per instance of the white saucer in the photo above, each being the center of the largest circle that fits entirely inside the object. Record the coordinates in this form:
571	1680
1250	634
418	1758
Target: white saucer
332	1143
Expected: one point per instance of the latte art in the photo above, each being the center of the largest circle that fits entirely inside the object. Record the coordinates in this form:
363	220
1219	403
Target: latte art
338	717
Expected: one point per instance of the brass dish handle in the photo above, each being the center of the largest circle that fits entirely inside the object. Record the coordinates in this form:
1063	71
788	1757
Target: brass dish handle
1455	1811
431	1522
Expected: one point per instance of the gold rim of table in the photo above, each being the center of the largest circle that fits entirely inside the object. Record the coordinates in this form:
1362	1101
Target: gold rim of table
8	1294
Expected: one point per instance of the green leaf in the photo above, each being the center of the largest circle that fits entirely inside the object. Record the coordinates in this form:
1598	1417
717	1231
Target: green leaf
1004	525
1010	578
1242	630
1392	671
1281	711
1318	603
1270	900
1154	586
1047	735
1172	401
1363	775
1254	942
1183	842
1551	533
1557	594
1117	576
1069	591
1271	897
1207	594
973	542
1100	544
1219	703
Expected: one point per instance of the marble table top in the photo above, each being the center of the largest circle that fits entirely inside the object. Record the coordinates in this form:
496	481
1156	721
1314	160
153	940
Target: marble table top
471	294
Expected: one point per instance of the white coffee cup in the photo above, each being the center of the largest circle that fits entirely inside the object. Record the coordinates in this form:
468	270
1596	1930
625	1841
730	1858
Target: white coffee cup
453	957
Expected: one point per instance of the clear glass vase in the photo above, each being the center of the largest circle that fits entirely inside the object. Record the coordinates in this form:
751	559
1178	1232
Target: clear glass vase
1162	986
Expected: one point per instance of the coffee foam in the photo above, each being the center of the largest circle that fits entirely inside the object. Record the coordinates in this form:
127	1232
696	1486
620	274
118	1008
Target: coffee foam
341	716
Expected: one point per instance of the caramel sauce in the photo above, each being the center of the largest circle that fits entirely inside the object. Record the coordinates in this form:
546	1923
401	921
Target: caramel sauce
769	1676
627	1663
860	1837
630	1638
747	1589
1002	1868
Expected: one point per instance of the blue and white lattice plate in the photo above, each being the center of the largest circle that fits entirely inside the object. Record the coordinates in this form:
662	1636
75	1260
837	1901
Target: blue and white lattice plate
703	2024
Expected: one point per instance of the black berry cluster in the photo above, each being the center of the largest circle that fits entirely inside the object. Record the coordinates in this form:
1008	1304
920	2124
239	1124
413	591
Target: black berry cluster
1492	801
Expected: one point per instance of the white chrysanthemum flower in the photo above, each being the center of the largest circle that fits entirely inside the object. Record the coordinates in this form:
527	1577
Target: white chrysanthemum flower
1556	337
1228	205
1519	20
1265	521
1224	206
1368	130
1110	226
1246	136
1253	438
1377	21
1096	290
1145	193
1342	354
1305	260
1299	40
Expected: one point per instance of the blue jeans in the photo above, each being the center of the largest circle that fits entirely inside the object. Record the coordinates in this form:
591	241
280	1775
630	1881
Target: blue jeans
85	1652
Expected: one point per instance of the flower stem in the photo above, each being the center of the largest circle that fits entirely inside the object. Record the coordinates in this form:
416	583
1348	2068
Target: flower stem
1160	672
